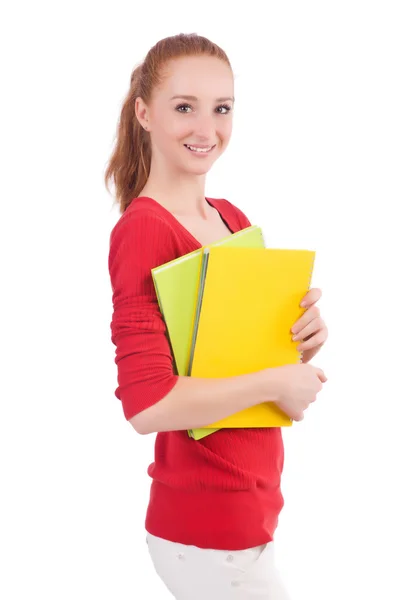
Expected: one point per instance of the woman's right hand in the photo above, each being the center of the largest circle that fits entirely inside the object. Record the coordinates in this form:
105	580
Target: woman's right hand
297	387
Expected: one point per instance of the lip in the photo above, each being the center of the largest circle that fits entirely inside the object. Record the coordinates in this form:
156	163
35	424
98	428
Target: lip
200	154
201	145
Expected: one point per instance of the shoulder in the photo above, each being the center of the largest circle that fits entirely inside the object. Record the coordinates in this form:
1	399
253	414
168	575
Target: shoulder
228	209
143	236
140	217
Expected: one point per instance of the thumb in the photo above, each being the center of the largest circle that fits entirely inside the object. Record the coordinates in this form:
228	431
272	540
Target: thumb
321	375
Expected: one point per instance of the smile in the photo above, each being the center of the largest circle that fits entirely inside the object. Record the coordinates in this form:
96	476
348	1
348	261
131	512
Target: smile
205	150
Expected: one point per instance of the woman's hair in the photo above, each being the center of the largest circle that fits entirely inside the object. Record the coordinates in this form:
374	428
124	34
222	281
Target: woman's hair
129	164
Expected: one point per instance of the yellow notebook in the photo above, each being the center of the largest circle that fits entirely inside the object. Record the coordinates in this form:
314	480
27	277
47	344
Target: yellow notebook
251	299
177	284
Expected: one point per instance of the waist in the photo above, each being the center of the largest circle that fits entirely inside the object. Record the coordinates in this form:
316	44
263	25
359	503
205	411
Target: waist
217	519
221	492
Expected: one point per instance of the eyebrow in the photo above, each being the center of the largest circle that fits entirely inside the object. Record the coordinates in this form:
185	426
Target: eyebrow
194	98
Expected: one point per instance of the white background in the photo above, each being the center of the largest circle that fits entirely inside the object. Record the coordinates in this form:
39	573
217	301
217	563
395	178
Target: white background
313	161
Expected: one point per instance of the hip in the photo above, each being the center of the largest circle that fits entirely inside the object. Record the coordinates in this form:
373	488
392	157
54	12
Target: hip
191	573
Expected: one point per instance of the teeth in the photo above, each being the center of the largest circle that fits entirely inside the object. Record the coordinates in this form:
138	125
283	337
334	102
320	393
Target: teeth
199	149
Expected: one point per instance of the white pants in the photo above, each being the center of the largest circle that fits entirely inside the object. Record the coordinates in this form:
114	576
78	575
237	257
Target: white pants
192	573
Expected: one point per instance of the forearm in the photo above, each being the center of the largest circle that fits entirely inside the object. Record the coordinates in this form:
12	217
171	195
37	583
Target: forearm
195	402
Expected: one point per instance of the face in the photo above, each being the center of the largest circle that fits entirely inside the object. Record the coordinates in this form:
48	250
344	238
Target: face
190	115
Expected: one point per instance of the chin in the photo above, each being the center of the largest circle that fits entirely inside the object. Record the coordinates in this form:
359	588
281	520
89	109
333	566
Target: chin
203	170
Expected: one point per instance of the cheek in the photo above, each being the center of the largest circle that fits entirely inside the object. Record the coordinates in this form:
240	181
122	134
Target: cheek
182	129
225	129
173	130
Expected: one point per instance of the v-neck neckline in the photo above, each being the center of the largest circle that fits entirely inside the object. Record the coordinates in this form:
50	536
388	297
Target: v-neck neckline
179	224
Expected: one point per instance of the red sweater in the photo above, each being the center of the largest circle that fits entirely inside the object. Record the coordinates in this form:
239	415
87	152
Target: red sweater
221	492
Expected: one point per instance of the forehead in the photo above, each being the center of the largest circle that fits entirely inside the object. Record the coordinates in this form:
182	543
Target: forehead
197	76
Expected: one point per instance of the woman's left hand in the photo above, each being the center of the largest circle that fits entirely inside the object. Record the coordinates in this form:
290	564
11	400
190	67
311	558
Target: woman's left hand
310	328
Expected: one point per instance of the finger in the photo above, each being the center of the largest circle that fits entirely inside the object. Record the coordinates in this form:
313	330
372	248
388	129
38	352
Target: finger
313	295
315	341
312	327
319	372
314	397
309	315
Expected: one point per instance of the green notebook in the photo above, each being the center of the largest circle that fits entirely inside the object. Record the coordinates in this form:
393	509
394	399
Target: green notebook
177	285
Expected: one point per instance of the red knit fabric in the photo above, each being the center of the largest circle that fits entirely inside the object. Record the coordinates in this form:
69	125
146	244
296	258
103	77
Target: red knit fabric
223	491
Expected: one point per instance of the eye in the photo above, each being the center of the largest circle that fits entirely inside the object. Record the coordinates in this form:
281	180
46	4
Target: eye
182	106
226	107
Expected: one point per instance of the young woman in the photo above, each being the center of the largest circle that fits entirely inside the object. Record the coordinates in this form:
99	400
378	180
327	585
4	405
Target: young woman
214	503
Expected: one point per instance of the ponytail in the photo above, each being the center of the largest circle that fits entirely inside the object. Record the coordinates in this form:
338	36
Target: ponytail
129	164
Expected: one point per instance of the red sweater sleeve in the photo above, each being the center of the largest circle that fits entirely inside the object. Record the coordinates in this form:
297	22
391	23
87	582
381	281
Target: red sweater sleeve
145	374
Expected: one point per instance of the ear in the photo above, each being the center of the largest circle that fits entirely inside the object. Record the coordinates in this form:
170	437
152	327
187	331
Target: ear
141	112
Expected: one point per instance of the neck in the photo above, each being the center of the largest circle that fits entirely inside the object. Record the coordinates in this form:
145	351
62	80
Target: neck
183	194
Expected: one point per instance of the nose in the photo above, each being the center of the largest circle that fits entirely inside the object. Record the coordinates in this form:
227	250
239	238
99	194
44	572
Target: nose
204	128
